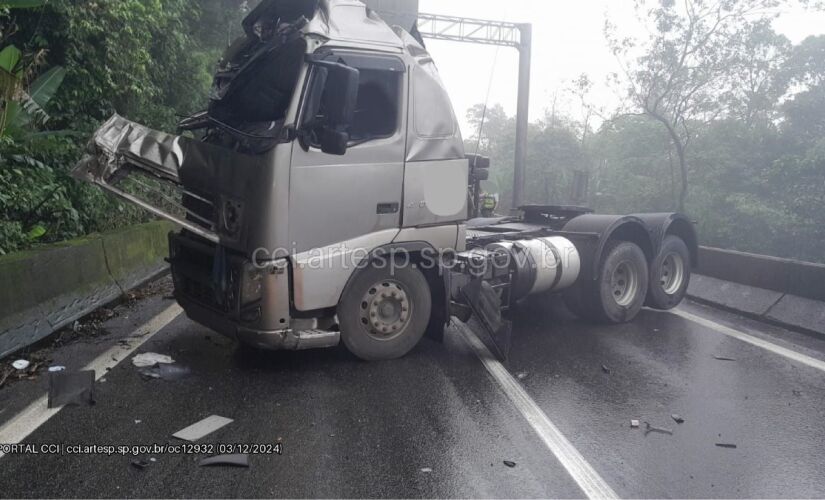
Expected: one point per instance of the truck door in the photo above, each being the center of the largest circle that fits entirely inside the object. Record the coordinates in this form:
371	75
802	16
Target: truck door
336	199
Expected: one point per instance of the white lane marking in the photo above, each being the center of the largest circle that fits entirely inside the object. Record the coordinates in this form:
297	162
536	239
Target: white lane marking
582	472
38	413
750	339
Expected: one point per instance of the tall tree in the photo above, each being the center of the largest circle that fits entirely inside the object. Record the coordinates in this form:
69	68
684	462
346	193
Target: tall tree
678	73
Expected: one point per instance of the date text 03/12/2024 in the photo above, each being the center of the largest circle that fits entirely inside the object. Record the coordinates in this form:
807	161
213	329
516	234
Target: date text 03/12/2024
137	450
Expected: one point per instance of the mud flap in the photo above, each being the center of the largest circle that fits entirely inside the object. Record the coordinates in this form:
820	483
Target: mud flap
486	305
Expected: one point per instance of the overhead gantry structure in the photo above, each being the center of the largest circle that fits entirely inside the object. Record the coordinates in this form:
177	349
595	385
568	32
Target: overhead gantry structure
502	34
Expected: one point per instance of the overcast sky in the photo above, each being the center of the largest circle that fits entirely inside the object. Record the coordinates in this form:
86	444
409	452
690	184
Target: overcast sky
568	41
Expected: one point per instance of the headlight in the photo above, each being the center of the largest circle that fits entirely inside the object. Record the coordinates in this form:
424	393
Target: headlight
252	286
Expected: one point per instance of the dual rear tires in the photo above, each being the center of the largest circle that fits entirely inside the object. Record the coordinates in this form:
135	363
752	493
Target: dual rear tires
626	282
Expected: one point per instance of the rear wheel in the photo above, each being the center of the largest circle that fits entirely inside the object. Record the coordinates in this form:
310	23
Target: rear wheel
622	286
669	275
384	313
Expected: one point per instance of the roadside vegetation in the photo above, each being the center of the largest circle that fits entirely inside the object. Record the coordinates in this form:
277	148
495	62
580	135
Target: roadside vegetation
65	66
722	117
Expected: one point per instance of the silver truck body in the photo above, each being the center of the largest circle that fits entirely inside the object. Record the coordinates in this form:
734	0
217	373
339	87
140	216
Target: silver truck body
330	138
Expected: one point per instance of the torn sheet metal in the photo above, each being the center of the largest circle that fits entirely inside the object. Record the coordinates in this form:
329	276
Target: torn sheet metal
70	389
203	428
121	147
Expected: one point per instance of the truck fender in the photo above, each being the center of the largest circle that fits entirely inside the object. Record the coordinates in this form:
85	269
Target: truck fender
663	225
437	278
608	228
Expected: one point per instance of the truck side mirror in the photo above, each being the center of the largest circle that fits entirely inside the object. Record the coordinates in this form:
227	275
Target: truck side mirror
333	94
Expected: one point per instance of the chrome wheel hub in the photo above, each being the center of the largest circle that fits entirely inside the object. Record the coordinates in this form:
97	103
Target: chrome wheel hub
673	273
386	310
624	284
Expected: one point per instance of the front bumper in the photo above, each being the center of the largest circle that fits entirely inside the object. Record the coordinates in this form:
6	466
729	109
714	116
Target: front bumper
287	339
210	286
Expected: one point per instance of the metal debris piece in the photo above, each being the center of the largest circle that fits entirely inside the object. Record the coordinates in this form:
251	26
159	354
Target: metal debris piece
149	359
76	388
521	375
426	470
677	418
723	358
53	369
606	369
20	364
140	464
237	460
661	430
634	424
165	372
202	428
509	464
726	445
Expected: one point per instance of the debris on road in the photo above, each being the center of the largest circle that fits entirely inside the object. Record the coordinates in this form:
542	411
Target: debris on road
606	369
521	375
661	430
149	359
426	470
797	392
70	389
203	428
54	369
726	445
237	460
20	364
509	464
634	424
723	358
677	418
165	372
140	464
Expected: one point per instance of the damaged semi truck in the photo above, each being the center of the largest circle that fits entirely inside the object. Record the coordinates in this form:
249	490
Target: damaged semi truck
324	197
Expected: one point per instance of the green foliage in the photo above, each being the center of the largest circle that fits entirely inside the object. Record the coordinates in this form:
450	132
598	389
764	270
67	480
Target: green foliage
150	60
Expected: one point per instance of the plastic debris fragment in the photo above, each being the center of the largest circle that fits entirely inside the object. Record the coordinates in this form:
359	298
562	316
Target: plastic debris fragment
149	359
20	364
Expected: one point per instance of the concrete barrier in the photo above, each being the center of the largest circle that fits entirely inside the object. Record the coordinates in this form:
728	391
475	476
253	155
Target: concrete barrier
786	292
43	290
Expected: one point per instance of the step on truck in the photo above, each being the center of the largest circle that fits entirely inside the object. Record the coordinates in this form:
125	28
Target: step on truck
325	196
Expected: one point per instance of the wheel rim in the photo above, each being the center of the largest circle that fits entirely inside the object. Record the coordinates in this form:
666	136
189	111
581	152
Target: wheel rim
386	310
673	274
624	284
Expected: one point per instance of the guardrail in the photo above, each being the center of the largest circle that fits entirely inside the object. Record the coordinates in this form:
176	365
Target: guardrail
782	291
46	289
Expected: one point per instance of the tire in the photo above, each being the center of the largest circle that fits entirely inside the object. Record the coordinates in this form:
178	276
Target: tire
621	290
669	275
384	313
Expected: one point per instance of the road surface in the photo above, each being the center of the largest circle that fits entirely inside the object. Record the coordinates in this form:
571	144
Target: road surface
443	421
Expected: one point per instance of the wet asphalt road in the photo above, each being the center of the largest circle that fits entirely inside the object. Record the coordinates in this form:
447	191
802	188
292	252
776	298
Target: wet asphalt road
436	424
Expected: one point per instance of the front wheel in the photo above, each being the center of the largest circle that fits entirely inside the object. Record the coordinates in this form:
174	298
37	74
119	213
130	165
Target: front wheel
384	312
669	275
